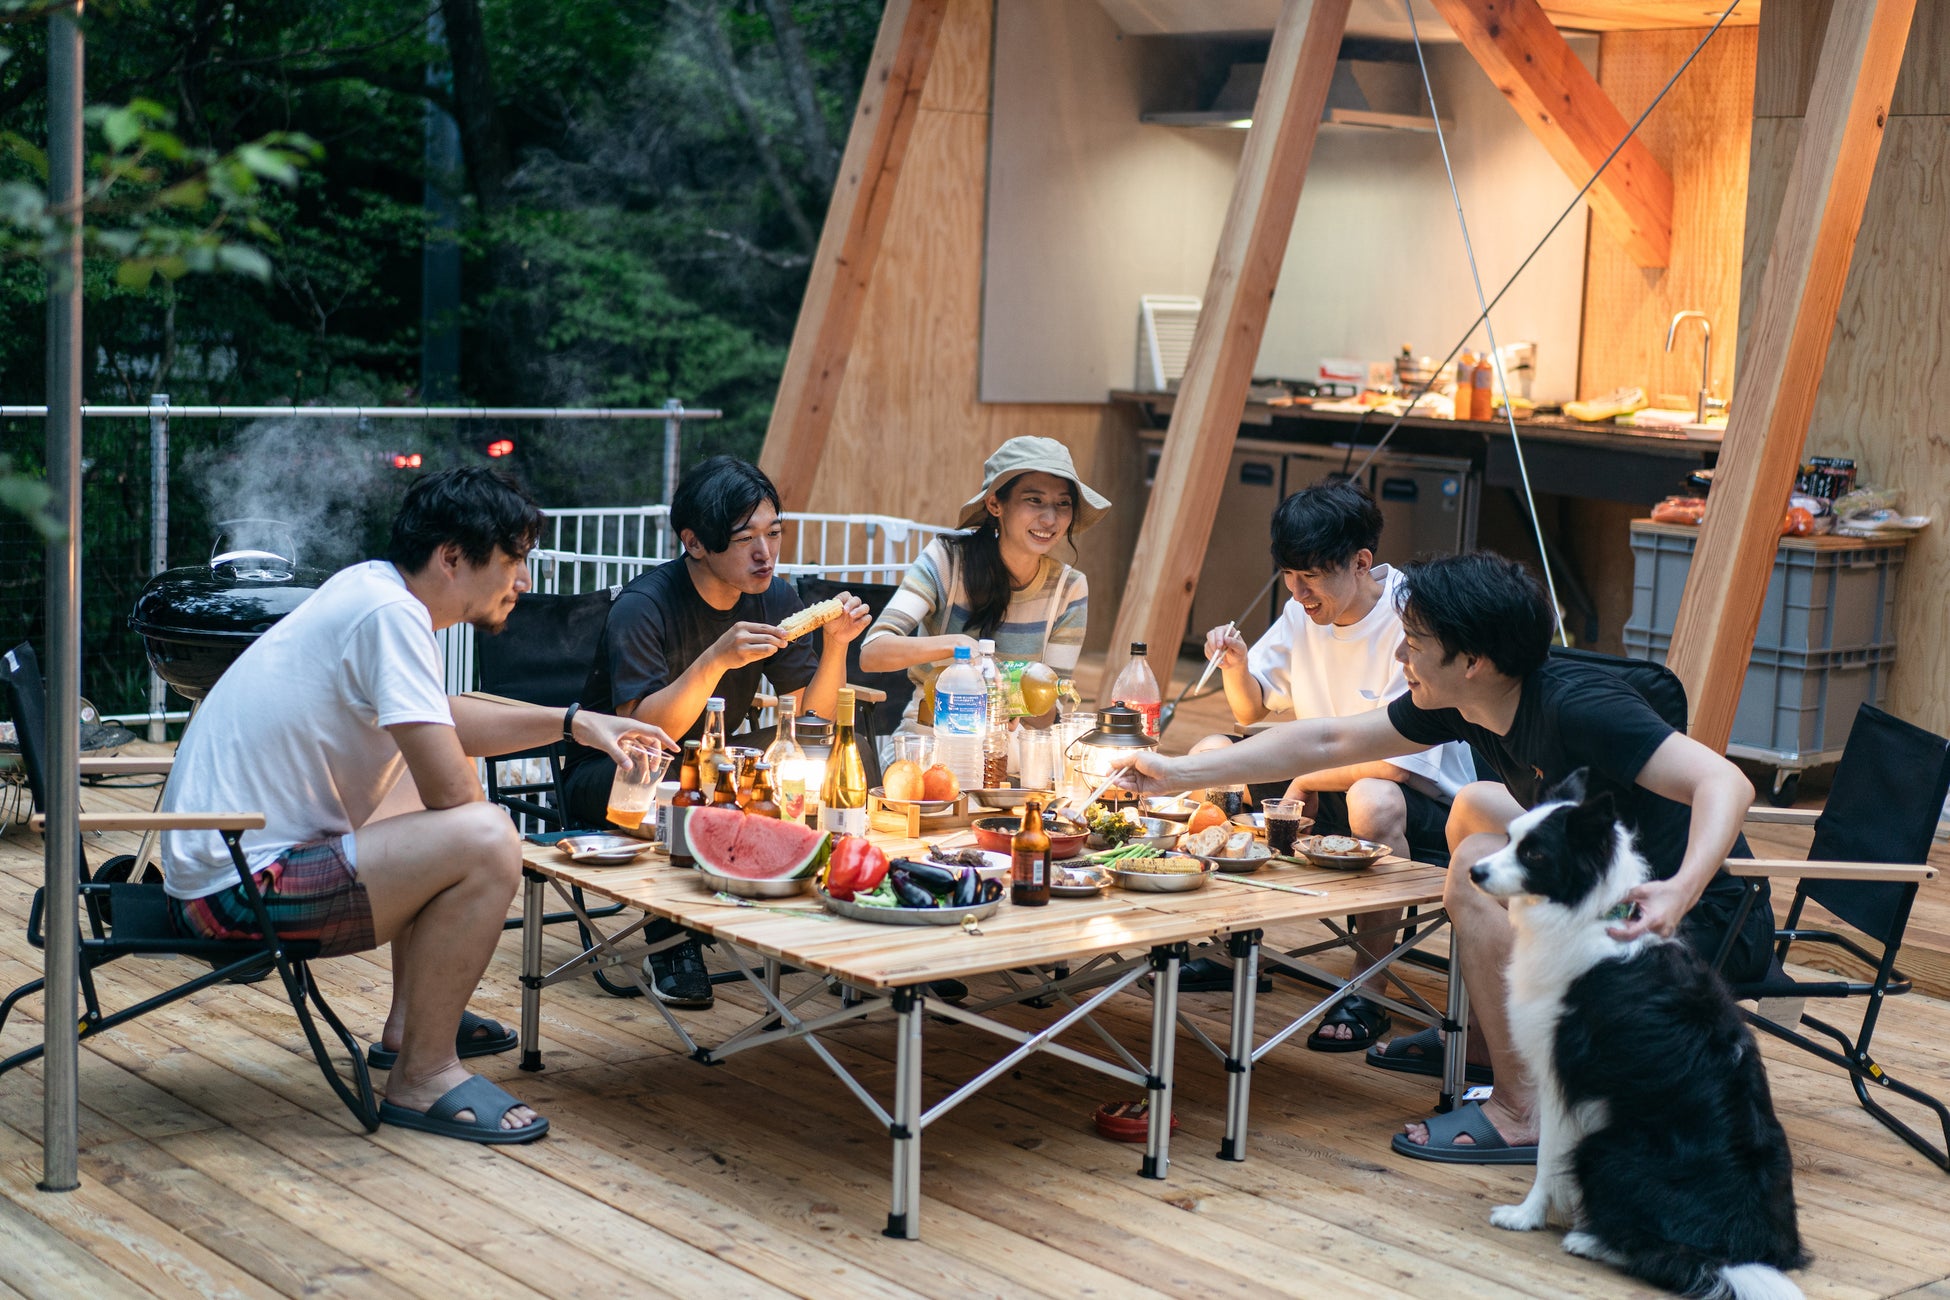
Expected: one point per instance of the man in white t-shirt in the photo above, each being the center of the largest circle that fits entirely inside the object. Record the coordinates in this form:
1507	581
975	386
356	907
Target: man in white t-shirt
1331	653
317	722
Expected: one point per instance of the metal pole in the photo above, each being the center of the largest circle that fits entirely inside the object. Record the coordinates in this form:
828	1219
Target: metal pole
673	438
59	1143
158	535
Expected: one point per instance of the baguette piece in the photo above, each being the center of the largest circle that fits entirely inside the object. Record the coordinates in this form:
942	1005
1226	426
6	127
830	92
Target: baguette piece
1237	845
810	619
1206	843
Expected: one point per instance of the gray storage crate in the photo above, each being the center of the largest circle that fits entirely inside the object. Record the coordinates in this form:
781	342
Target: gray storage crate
1820	597
1795	709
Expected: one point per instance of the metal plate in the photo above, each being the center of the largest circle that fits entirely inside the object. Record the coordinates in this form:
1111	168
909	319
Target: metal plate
1156	832
743	888
1256	857
1059	890
906	915
1155	882
601	850
1307	846
927	807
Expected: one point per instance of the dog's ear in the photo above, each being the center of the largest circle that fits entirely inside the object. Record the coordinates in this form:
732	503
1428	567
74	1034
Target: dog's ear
1569	790
1591	822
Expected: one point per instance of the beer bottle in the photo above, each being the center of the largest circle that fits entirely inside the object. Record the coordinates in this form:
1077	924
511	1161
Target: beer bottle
726	793
747	777
689	795
1029	867
763	802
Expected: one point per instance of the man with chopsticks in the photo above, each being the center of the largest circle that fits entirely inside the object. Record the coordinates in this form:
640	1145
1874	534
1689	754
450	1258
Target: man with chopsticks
317	723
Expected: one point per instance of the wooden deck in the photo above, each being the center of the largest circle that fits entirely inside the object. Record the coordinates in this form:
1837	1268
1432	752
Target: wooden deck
215	1161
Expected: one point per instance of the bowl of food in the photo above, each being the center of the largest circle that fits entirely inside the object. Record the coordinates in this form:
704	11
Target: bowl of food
1066	838
988	864
1233	846
1108	829
1175	874
1340	852
1238	859
1079	879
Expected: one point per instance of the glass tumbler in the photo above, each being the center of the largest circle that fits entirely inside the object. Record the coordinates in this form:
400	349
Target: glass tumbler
634	790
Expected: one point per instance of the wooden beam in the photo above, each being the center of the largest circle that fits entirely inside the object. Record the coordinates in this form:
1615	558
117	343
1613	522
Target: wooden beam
1565	108
1212	395
1781	360
849	245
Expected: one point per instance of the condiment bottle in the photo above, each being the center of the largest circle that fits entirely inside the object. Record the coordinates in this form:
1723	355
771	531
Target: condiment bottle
1479	385
689	795
843	796
1029	858
710	745
762	803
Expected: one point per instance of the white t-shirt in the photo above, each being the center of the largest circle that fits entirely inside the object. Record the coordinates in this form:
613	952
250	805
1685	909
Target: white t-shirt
1320	672
295	728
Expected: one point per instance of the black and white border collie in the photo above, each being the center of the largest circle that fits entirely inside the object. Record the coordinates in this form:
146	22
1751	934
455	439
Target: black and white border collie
1657	1140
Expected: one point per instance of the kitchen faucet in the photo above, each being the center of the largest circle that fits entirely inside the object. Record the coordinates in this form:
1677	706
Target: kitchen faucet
1706	403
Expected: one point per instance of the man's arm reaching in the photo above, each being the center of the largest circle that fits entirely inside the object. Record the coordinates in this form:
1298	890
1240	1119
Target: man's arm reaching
1277	753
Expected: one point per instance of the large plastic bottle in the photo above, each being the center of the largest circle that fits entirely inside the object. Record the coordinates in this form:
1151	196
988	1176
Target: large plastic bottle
961	719
995	747
1137	687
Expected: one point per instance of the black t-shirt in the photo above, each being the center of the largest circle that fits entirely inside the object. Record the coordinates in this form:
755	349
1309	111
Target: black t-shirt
659	626
1573	715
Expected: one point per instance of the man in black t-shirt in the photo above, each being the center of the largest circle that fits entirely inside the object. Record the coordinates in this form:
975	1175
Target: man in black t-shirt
1477	632
703	625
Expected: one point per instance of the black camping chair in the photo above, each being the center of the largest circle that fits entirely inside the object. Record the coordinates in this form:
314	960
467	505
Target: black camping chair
134	919
542	656
1865	865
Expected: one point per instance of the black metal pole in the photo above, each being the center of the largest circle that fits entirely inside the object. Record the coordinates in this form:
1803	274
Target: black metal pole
64	80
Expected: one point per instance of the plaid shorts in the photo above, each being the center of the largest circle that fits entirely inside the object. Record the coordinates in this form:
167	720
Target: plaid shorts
311	893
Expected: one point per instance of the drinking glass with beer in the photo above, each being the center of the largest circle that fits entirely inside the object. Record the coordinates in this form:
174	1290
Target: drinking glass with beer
634	790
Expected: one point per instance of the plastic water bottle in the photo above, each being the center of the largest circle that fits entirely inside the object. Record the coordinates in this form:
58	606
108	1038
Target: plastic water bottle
961	719
1137	687
995	748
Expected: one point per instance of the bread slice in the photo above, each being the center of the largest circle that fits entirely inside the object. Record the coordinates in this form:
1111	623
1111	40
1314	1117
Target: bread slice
810	619
1205	843
1237	845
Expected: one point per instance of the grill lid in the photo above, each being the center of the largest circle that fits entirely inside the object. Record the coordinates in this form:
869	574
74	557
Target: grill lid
239	593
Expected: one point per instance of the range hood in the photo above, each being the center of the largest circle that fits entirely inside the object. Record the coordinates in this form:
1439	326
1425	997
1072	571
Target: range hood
1374	93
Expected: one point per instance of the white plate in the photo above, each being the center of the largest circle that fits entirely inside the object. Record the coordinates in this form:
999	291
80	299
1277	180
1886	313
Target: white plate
602	850
994	866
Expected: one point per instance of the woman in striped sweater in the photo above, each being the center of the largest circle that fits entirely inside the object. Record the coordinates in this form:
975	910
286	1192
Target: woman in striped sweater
999	581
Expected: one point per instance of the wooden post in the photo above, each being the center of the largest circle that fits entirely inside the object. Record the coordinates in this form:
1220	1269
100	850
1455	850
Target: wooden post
849	245
1565	108
1212	395
1782	357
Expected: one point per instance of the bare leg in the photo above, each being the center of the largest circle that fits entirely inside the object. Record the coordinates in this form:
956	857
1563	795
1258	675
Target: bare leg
1477	823
456	869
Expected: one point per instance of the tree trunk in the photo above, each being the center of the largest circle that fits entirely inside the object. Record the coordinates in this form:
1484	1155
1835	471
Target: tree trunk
822	159
483	141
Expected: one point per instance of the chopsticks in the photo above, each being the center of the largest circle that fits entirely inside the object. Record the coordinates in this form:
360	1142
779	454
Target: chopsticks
1212	663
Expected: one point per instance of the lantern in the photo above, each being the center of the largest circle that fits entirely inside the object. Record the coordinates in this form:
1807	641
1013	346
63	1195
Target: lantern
1108	748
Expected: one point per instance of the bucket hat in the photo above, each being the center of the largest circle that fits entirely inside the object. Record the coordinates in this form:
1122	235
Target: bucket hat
1020	456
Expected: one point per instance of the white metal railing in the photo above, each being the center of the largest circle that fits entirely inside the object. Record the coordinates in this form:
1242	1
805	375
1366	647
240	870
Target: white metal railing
590	549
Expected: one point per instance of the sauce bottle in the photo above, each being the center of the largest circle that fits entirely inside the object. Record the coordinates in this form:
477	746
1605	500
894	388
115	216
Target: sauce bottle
1029	868
689	795
1479	387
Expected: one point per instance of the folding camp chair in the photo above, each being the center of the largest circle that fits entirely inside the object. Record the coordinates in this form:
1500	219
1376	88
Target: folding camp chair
134	920
1864	867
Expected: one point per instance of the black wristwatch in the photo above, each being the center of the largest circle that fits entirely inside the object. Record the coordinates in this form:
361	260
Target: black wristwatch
569	722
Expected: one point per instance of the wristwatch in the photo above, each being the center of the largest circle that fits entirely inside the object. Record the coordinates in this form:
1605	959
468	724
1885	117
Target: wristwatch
569	722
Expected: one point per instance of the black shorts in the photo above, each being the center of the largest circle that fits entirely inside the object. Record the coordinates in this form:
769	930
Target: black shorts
1428	819
1705	928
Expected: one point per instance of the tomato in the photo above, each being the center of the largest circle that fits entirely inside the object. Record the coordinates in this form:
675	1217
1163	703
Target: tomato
854	867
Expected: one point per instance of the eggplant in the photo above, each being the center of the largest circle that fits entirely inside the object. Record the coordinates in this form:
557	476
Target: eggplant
968	889
910	894
931	876
991	890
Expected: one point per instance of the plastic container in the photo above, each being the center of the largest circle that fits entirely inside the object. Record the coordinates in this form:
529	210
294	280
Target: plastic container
1820	597
1137	687
961	714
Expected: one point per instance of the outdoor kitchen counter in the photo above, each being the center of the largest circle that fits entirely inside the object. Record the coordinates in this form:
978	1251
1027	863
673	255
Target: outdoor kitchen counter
1602	462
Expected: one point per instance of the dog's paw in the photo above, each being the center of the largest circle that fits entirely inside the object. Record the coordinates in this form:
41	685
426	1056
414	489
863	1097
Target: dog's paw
1586	1246
1517	1218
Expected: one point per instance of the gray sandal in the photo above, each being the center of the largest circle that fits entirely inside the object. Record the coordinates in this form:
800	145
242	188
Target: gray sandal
477	1036
1486	1145
489	1102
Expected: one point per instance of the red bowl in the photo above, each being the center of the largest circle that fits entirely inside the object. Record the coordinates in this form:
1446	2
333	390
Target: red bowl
996	832
1126	1121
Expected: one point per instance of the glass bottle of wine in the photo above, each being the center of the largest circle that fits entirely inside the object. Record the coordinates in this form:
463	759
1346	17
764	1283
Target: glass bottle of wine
843	796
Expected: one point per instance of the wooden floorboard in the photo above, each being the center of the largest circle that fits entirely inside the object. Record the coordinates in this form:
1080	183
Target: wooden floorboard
215	1162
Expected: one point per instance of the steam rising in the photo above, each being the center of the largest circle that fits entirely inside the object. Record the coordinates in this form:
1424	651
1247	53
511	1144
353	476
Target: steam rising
331	481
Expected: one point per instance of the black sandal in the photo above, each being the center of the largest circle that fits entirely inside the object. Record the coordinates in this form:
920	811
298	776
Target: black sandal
1368	1021
1421	1053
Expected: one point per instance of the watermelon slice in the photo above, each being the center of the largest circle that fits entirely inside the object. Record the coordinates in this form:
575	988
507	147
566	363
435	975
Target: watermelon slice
732	843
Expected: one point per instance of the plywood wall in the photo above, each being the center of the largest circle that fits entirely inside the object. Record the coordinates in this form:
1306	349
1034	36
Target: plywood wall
1699	134
1881	396
909	435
